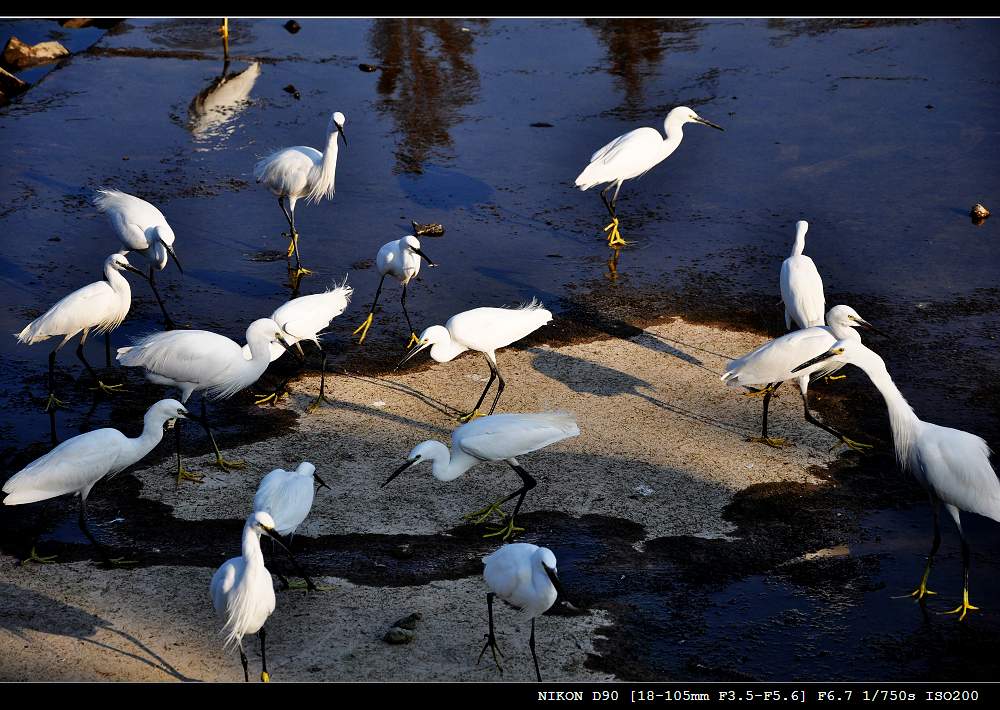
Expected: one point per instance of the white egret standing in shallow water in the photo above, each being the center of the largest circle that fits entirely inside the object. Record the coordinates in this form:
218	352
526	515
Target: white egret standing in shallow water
953	465
142	228
287	496
399	259
78	463
801	285
301	171
631	155
484	330
199	360
524	576
100	306
243	593
302	319
772	364
499	437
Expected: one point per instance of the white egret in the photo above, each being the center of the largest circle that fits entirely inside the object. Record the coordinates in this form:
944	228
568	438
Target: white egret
399	259
953	465
143	228
199	360
631	155
287	496
484	330
301	171
499	437
302	319
772	364
524	576
78	463
243	593
100	306
801	285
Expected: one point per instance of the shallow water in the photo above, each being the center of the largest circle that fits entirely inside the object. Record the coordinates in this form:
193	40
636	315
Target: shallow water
881	134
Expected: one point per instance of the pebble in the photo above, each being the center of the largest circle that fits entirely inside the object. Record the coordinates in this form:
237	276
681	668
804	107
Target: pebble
19	55
396	636
293	26
979	212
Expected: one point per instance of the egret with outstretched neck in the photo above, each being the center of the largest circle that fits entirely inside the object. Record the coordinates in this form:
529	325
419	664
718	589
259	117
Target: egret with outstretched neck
631	155
951	464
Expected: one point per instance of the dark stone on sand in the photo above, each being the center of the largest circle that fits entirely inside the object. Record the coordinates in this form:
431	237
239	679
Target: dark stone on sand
293	26
409	622
397	636
541	124
367	67
293	91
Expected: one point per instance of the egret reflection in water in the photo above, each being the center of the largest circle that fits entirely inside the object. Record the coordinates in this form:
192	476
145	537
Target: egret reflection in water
218	103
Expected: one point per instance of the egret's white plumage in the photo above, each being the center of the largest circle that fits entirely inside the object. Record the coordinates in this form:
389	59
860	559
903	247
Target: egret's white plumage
953	465
524	576
484	330
140	226
303	318
242	590
633	154
773	362
287	496
801	285
399	259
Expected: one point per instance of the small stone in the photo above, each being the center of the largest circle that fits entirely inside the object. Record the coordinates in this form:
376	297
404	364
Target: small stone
19	55
290	89
293	26
979	213
643	490
409	622
541	124
397	636
367	67
427	230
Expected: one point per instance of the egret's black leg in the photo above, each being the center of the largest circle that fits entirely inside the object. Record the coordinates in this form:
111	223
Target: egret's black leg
53	401
491	639
281	204
107	348
857	446
246	666
764	438
93	373
321	397
475	410
965	607
528	483
222	463
604	199
413	333
500	387
614	236
168	322
264	675
363	328
531	644
614	200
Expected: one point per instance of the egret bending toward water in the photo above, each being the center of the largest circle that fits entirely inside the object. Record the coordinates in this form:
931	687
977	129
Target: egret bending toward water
484	330
772	364
302	319
399	259
302	171
199	360
801	285
143	228
953	465
78	463
287	496
499	437
631	155
243	593
524	576
100	306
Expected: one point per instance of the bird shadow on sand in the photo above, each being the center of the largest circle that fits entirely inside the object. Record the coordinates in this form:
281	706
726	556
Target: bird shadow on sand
27	610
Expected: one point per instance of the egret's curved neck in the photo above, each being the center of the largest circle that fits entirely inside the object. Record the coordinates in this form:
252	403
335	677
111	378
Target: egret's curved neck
675	134
902	418
152	434
251	547
446	467
800	243
843	332
118	283
447	351
260	353
328	168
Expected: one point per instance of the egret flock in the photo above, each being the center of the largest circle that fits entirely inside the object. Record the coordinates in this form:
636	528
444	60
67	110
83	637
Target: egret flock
952	465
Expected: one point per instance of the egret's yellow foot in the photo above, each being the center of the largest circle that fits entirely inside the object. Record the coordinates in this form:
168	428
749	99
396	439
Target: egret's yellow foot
265	677
108	389
483	514
265	398
614	237
491	643
465	418
852	444
758	393
301	271
920	592
414	340
184	475
54	403
227	465
506	531
314	405
836	377
963	608
37	559
363	328
776	442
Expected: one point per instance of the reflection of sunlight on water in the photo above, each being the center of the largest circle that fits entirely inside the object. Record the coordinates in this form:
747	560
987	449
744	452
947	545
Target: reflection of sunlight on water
212	110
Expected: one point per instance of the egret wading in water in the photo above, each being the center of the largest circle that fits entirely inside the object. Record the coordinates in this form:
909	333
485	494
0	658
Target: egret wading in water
484	330
773	363
801	285
301	171
952	465
524	576
399	259
631	155
243	593
202	361
78	463
499	437
100	306
287	496
141	228
302	319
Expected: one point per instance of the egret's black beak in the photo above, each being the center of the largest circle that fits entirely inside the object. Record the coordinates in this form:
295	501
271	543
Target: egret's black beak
865	324
418	252
709	123
278	538
819	358
400	470
554	578
411	354
129	267
340	130
173	256
321	482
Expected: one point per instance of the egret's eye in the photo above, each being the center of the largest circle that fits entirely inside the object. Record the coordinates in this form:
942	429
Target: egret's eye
839	351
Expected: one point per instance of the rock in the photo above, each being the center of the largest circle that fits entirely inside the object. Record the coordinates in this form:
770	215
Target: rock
367	67
643	490
10	86
19	55
409	622
396	636
541	124
979	213
293	91
293	26
428	230
76	23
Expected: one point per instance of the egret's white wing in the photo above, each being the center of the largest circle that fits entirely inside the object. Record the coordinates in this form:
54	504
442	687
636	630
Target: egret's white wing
504	436
487	329
130	216
207	359
286	171
287	496
509	569
625	157
774	360
956	467
802	292
95	305
222	583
